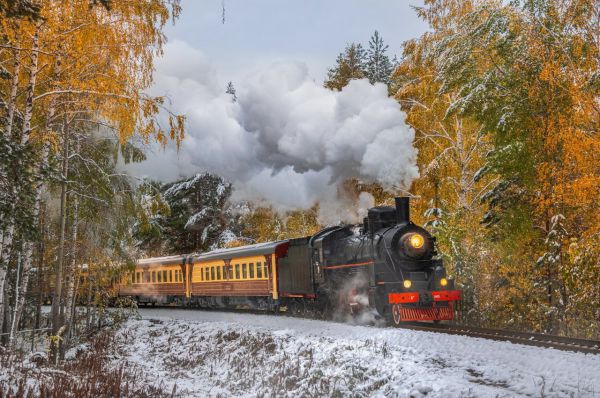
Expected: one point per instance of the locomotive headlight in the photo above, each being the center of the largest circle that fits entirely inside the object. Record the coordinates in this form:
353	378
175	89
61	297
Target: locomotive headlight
443	282
416	241
407	283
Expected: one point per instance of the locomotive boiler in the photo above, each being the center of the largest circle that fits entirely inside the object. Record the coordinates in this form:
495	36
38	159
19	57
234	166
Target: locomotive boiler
386	266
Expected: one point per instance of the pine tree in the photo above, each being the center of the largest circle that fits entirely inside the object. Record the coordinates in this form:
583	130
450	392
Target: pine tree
350	64
231	91
187	215
378	67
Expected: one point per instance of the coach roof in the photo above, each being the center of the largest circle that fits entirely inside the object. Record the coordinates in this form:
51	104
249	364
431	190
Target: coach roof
242	251
162	260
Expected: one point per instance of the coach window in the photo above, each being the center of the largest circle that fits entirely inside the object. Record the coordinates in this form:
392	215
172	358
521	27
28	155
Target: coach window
258	270
153	276
244	271
266	269
159	277
251	267
218	272
206	274
237	271
212	273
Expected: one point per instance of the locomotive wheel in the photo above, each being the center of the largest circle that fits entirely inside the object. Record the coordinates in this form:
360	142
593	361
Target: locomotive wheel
296	309
396	313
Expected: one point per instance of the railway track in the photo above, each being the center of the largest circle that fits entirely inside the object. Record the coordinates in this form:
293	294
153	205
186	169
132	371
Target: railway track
532	339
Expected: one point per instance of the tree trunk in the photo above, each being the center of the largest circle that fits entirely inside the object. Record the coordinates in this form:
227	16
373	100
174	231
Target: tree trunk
2	294
88	301
27	116
12	102
10	116
72	314
57	297
8	236
28	250
18	297
73	268
40	274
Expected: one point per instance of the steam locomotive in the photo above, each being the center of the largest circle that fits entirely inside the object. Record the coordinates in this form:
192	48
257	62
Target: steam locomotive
386	266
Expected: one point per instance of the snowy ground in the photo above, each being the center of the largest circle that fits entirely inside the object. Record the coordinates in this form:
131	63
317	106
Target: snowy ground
230	354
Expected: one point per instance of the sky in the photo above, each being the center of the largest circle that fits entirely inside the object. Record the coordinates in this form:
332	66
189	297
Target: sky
287	140
257	33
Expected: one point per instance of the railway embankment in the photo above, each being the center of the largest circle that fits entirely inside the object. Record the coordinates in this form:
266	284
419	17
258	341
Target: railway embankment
211	353
192	353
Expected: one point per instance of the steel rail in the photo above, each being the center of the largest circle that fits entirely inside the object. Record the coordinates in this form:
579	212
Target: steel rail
531	339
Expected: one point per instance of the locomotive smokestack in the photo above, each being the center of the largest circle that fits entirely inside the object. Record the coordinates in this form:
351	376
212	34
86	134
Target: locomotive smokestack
402	210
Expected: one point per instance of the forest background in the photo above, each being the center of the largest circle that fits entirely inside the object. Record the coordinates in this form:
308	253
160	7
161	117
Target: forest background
503	98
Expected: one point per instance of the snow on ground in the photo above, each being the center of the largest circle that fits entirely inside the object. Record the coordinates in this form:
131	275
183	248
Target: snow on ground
206	353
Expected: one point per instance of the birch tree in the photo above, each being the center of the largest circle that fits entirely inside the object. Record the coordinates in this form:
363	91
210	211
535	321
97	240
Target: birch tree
75	64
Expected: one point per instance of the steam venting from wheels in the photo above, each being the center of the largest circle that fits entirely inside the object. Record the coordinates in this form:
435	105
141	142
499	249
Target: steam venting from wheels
285	139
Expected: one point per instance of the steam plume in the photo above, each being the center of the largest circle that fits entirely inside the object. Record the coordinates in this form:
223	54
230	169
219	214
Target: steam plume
286	140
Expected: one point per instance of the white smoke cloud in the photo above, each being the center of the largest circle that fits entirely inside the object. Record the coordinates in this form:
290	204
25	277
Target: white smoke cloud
287	140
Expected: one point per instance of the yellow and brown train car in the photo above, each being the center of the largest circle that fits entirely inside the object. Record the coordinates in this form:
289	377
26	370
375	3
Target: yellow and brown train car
245	276
158	280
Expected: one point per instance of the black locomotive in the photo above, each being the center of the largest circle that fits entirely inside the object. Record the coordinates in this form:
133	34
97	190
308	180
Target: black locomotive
388	264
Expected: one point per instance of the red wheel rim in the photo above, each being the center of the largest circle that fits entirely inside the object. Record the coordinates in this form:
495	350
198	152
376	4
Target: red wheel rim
396	313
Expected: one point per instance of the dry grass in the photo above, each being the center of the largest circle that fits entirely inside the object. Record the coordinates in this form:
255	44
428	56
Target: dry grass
88	374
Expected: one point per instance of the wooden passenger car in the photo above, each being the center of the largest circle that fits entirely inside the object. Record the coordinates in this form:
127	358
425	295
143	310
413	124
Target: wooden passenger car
237	276
245	276
159	280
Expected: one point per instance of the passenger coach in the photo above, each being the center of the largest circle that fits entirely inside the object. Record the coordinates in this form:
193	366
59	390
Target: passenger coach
236	276
158	280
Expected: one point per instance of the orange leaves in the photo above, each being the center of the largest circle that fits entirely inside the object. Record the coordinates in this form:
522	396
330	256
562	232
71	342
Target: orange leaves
97	63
